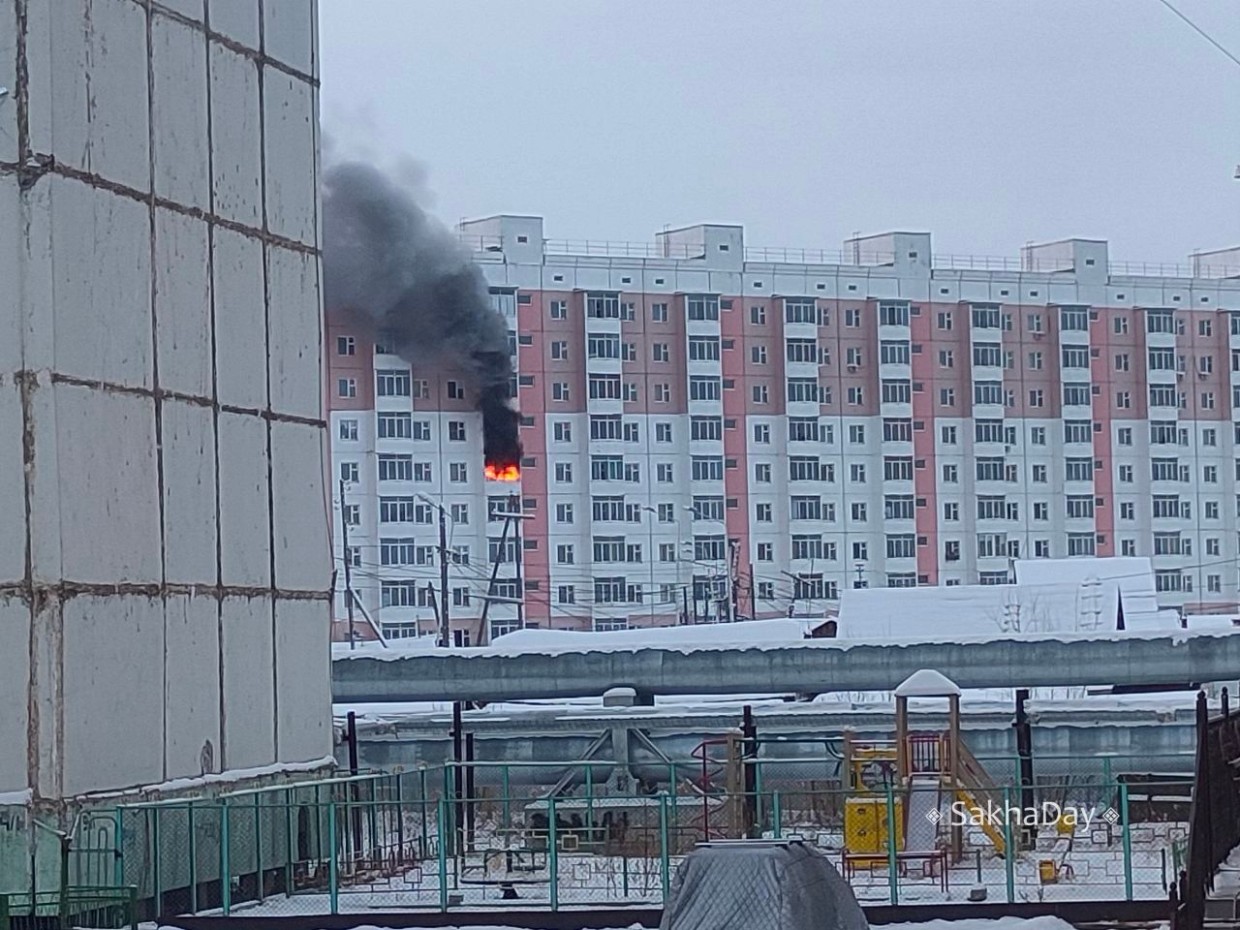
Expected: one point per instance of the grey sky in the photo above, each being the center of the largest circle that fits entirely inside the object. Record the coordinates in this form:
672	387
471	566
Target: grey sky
988	123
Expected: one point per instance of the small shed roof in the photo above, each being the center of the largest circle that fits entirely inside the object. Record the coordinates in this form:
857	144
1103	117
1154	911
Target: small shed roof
926	682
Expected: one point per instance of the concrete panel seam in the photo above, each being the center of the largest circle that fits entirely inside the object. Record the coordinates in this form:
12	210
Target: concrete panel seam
33	168
271	494
159	406
26	383
194	399
215	393
64	590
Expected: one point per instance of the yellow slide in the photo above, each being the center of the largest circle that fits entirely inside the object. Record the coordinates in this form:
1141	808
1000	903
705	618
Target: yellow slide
993	833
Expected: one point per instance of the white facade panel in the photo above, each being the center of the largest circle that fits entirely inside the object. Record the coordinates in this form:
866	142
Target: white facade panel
245	533
97	85
237	21
14	667
240	324
12	486
298	498
288	106
189	494
8	78
183	304
296	333
235	136
11	247
191	686
303	659
249	683
113	669
289	34
102	274
179	105
118	503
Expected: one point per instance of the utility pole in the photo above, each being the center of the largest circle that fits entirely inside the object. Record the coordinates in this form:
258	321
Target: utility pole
515	505
441	614
445	628
348	575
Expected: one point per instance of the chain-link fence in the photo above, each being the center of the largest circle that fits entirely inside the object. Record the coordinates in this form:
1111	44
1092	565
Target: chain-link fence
549	835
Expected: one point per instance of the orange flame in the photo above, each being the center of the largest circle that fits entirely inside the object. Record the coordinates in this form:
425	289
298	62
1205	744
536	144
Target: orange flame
503	472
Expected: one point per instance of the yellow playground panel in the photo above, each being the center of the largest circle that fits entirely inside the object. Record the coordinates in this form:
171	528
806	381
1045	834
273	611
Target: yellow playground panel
867	826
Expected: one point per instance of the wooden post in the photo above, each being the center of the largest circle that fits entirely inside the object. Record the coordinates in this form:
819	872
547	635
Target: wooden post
903	764
953	767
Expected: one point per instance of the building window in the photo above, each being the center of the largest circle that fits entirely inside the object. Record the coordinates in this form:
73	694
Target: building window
396	467
348	472
458	472
346	387
348	430
345	345
393	383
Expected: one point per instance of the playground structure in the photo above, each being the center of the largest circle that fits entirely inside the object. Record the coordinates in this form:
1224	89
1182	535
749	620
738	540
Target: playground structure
903	790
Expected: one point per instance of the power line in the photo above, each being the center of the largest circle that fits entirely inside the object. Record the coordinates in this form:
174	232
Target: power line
1201	32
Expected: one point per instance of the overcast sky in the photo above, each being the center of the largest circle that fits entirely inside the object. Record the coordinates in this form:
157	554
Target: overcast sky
988	123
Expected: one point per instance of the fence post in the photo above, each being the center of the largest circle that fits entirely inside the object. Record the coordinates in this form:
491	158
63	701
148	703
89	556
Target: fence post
193	862
507	799
400	818
157	848
333	861
1009	853
425	805
225	863
258	845
1127	835
119	842
776	815
893	866
553	853
664	852
441	823
290	854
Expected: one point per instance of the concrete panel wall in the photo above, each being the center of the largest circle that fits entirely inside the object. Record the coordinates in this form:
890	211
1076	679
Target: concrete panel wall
161	442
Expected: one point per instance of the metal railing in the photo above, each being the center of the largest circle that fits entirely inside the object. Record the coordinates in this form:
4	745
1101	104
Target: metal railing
1214	827
859	256
103	908
407	840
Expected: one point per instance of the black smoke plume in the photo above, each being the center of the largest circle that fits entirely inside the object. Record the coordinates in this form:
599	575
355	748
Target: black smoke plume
384	257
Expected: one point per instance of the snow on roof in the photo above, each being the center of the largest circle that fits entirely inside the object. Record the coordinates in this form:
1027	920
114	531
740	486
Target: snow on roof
1081	602
1212	621
750	632
1133	576
926	682
776	632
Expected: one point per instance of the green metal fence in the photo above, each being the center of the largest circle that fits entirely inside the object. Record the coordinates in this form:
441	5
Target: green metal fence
75	906
410	841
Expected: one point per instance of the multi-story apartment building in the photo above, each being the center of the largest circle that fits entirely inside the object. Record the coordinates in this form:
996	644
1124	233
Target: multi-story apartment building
711	430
